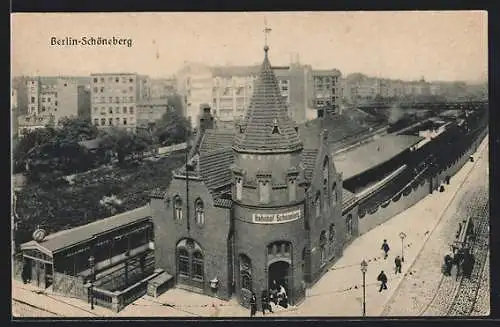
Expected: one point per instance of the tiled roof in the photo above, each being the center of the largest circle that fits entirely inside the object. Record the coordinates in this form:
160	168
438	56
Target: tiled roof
309	161
214	167
60	240
374	153
223	203
217	139
267	109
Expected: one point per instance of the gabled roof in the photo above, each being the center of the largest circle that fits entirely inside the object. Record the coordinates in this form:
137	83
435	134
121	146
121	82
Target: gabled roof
214	167
216	139
267	111
64	239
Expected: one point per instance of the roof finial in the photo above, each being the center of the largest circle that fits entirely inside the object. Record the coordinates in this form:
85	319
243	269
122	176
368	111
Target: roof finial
267	30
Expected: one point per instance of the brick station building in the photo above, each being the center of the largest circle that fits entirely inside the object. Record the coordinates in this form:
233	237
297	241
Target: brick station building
253	205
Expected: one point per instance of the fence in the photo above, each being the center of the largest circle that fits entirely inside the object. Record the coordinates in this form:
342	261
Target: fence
69	285
172	148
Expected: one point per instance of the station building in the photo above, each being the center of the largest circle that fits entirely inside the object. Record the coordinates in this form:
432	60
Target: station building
254	205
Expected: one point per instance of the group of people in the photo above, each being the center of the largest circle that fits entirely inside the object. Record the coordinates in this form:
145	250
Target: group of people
462	259
398	263
276	295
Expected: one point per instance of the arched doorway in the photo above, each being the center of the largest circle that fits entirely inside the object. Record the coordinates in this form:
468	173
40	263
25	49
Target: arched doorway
280	272
190	263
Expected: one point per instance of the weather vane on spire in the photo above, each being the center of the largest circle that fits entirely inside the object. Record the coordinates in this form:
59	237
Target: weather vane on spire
267	30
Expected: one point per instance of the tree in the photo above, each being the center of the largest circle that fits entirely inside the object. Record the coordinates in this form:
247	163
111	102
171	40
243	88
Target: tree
78	129
124	143
26	144
175	102
172	128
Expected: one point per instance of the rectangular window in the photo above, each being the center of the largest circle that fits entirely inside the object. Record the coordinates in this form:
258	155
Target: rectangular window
110	110
124	121
103	121
198	269
43	100
96	121
110	121
131	110
124	110
32	99
117	119
184	265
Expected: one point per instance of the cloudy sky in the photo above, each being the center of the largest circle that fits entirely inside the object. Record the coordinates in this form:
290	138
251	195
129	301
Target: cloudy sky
406	45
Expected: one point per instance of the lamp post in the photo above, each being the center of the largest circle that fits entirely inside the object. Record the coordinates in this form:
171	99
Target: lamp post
364	268
402	236
92	277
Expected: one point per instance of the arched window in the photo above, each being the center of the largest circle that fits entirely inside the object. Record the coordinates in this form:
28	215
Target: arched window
317	203
334	194
183	256
190	262
322	244
348	223
331	233
198	265
245	272
178	208
200	212
325	183
264	195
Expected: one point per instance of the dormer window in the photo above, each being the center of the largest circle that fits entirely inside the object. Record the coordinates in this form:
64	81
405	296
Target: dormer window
276	129
264	187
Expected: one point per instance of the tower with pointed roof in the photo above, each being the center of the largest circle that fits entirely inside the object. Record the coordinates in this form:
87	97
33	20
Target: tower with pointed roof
268	194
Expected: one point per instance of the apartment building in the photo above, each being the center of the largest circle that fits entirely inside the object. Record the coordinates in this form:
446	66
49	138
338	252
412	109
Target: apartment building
150	111
228	89
161	88
114	99
33	89
327	89
194	84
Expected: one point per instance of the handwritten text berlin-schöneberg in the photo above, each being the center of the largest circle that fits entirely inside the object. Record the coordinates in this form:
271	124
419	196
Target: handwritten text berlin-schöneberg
91	41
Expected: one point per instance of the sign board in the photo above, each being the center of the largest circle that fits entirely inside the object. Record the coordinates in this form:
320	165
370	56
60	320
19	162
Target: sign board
276	218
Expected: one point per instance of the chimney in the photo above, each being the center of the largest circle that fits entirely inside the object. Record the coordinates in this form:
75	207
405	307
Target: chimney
206	118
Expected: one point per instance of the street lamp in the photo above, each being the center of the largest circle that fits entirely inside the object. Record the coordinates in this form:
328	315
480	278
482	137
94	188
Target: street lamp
92	277
402	236
364	268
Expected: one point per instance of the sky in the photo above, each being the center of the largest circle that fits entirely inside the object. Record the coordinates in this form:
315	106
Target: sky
444	46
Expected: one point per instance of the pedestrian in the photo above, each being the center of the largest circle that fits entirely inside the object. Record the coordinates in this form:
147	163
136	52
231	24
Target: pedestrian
264	299
253	305
397	263
386	248
382	278
448	264
273	291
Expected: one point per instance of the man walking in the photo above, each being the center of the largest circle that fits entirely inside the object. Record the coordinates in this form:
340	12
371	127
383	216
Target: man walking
397	263
253	305
382	278
386	248
264	299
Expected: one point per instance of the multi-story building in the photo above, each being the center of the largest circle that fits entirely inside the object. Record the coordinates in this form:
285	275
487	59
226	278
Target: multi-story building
150	111
327	89
231	88
33	90
161	88
194	84
114	99
144	87
28	123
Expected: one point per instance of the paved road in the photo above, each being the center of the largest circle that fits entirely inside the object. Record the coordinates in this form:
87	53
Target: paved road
424	291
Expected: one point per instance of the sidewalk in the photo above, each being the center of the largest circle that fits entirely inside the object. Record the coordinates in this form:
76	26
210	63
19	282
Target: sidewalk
339	291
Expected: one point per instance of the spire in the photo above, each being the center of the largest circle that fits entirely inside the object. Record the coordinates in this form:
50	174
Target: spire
266	127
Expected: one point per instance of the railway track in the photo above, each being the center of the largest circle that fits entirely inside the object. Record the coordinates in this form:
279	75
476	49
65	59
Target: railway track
465	299
458	297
